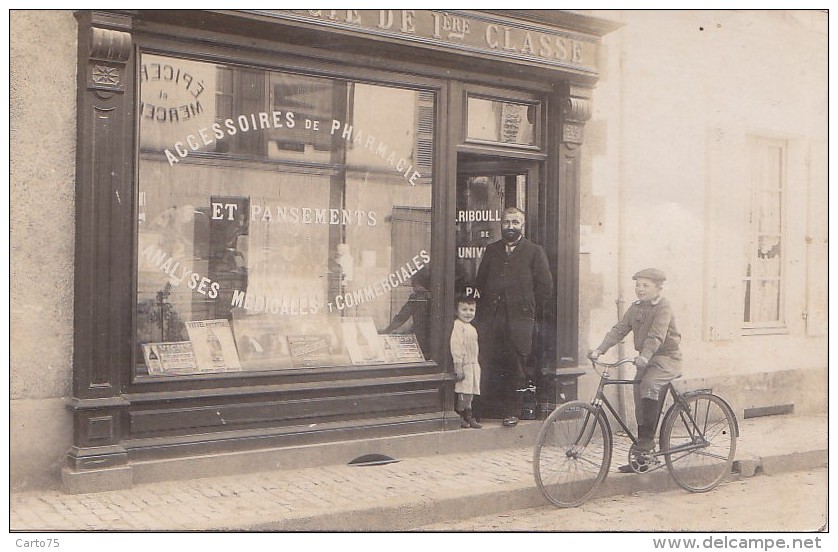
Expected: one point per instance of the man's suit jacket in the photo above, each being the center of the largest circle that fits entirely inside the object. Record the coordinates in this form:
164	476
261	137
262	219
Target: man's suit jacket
522	280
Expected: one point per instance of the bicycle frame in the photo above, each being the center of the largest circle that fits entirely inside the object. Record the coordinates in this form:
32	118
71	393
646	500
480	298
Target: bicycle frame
696	434
575	445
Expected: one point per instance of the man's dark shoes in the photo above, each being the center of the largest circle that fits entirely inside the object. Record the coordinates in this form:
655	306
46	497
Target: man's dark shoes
510	421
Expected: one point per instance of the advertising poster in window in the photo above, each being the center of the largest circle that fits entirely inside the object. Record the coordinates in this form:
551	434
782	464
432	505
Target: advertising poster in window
213	345
362	341
402	348
166	359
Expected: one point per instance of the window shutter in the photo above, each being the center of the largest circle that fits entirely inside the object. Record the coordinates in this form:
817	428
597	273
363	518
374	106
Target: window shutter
725	226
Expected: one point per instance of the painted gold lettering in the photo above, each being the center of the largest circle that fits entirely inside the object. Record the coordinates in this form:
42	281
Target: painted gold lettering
385	19
353	17
561	48
492	36
576	47
408	25
527	47
436	26
546	50
508	43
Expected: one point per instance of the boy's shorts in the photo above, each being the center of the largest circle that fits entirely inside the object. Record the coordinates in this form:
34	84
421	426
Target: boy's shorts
660	371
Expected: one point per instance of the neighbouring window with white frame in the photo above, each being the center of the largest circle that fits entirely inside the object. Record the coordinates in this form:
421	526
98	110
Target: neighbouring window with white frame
764	255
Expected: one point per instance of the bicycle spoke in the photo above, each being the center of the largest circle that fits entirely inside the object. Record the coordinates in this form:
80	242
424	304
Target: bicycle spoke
702	425
572	454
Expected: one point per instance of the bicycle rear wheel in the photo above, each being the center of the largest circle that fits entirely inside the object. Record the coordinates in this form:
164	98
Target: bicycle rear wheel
572	454
702	453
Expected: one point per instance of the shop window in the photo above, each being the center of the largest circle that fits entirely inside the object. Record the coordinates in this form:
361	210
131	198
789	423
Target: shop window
763	256
284	220
501	122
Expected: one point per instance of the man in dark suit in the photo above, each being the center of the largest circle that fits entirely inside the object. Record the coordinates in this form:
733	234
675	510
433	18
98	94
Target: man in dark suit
514	282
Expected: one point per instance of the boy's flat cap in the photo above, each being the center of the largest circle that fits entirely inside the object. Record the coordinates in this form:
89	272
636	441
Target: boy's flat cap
652	274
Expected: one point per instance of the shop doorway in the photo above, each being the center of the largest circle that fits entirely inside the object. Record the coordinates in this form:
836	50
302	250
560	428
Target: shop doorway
486	185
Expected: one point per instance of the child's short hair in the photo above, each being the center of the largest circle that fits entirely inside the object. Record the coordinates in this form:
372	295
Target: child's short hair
465	299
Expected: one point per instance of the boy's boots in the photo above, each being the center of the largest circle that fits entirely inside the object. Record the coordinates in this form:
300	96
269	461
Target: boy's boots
469	418
646	431
463	420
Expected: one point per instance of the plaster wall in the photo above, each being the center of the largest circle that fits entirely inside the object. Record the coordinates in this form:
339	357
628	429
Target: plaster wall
666	177
42	67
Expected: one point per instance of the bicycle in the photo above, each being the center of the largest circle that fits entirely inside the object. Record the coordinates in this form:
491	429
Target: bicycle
575	443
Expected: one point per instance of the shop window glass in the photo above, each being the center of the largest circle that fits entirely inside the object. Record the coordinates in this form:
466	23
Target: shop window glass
763	281
500	121
284	220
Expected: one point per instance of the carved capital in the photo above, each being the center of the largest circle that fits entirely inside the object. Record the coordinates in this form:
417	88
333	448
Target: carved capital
110	45
109	52
576	110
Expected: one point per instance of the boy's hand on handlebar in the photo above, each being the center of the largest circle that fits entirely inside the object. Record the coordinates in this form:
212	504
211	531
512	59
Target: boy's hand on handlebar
595	354
641	362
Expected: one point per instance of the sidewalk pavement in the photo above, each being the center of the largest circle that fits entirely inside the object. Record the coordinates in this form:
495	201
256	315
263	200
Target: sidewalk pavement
401	496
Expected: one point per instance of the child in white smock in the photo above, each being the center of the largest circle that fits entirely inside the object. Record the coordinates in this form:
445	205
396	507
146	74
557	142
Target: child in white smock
464	352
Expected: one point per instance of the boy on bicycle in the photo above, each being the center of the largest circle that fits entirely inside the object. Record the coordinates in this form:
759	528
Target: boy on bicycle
656	340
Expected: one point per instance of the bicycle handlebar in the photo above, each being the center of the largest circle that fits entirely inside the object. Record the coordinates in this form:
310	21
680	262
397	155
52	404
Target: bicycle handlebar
611	364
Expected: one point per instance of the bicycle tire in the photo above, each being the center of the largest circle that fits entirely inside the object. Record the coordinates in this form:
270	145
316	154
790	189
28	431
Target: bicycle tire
702	469
566	472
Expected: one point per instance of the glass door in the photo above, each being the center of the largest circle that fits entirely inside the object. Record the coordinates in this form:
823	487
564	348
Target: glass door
485	187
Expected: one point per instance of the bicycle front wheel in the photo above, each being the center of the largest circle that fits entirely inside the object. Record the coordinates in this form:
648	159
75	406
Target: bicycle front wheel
572	454
698	439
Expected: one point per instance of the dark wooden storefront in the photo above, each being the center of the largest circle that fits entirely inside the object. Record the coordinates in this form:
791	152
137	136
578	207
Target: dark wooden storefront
545	57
